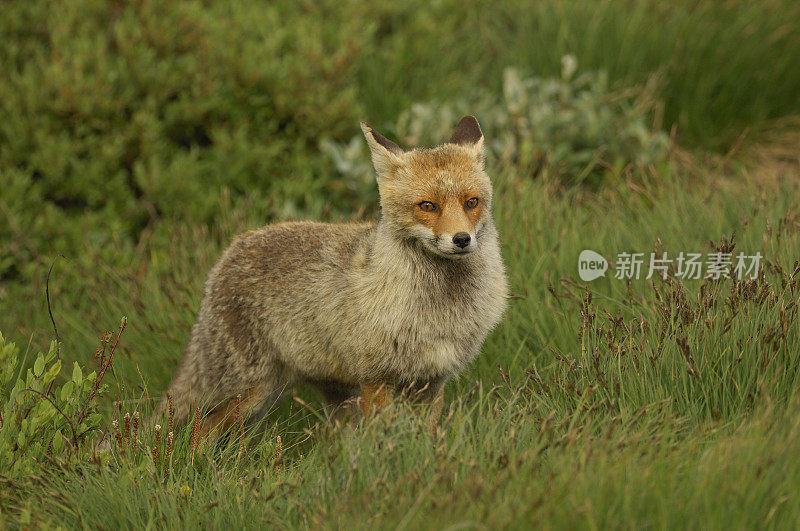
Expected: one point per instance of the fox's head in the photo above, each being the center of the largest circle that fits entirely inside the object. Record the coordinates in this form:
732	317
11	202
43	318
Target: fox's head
440	197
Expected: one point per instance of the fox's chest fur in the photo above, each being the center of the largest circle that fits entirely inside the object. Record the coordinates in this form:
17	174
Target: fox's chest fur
424	318
387	312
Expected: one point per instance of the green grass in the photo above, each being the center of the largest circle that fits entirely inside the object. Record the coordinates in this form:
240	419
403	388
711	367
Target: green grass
578	427
498	464
140	140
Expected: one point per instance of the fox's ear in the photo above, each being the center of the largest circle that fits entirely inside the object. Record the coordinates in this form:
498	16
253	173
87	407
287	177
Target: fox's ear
386	155
469	135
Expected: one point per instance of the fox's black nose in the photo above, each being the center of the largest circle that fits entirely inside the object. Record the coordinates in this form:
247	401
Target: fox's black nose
461	239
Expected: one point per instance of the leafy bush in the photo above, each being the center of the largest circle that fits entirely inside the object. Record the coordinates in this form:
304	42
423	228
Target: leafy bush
118	115
573	127
45	420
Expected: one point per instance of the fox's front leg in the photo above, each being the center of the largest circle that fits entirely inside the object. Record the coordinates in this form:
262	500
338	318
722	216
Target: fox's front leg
374	396
432	396
430	399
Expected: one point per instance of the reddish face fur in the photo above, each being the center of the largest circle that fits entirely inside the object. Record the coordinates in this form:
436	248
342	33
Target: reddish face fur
451	215
448	177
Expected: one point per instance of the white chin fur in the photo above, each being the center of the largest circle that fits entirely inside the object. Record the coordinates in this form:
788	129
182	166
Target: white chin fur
449	256
443	245
452	252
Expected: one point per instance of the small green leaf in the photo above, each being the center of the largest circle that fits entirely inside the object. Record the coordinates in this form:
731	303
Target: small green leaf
77	374
55	368
38	366
66	390
93	420
52	352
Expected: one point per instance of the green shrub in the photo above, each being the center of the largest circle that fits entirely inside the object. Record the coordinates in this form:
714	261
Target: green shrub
47	417
574	128
117	116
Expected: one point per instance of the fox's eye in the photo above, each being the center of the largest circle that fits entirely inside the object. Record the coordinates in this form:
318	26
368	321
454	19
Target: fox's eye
471	203
427	206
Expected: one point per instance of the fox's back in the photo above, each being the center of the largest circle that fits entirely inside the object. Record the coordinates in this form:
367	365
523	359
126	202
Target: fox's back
272	260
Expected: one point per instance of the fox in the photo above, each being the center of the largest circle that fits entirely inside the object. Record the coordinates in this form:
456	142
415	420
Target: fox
363	311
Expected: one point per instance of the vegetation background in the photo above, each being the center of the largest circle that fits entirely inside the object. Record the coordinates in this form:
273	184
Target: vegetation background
137	137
